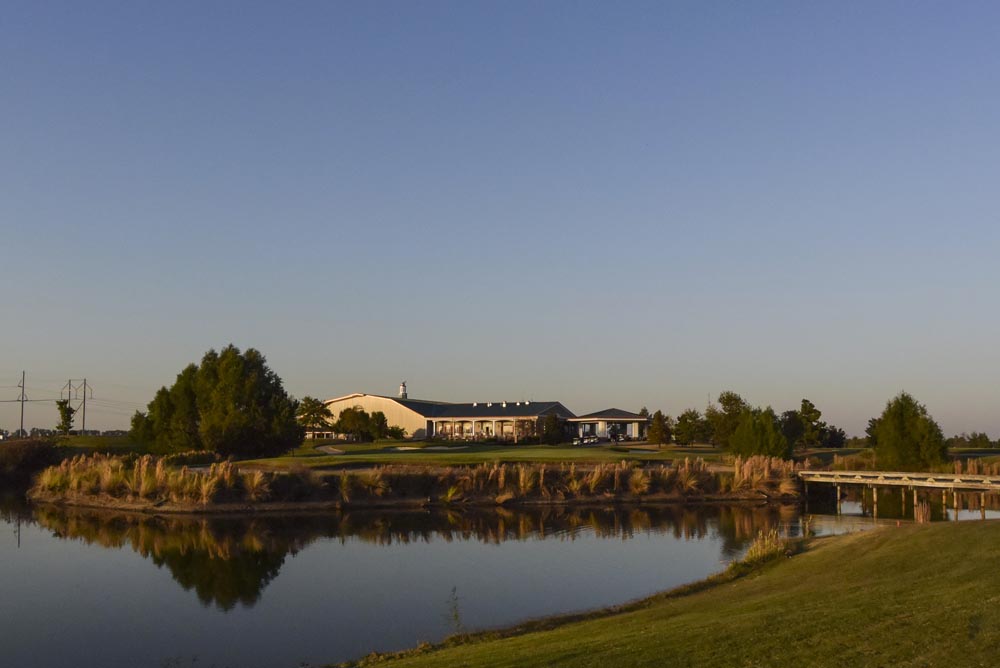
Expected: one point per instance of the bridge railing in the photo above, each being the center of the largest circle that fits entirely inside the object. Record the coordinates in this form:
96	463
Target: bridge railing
904	479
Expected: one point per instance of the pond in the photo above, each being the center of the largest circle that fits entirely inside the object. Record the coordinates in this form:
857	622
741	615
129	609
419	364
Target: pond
82	588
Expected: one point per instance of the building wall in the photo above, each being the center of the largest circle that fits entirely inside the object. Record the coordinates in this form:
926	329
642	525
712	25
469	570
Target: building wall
397	415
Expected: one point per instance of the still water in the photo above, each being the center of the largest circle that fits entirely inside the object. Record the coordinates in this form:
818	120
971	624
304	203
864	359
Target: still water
83	589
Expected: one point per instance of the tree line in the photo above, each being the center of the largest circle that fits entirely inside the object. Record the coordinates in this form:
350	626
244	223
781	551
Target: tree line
904	436
733	424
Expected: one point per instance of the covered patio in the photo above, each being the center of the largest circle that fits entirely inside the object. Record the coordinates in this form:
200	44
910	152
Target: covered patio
612	422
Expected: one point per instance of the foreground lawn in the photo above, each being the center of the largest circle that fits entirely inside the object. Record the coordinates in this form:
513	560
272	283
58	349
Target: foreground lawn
910	596
386	453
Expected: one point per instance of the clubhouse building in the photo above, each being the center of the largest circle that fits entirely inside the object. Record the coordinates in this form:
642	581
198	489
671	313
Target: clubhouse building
479	420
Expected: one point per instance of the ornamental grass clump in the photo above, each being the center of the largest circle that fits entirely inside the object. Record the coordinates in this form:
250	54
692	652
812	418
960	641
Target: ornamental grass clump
767	546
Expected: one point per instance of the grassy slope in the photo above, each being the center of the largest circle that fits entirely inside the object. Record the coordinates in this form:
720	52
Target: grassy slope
911	596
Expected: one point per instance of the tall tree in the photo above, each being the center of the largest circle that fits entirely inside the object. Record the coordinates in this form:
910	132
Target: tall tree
871	432
791	427
758	432
552	429
811	426
691	427
725	417
907	437
233	403
659	431
832	437
378	425
354	422
314	415
65	416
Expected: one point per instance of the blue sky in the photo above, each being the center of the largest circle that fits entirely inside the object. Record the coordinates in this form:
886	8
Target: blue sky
606	204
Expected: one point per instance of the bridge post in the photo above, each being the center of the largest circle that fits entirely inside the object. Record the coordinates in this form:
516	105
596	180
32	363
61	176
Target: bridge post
954	496
838	499
874	502
982	505
914	503
944	503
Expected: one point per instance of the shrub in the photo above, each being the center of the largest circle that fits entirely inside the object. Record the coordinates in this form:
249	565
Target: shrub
767	546
21	459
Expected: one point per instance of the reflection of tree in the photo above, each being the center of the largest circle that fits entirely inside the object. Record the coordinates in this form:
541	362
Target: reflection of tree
229	560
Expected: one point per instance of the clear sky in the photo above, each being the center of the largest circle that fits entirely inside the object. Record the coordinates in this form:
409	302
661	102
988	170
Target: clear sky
606	204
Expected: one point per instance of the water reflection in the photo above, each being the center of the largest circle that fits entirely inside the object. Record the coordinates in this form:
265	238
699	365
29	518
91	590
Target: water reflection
230	560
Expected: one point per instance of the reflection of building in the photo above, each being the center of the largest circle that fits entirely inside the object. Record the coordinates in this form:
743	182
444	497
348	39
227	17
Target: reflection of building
503	420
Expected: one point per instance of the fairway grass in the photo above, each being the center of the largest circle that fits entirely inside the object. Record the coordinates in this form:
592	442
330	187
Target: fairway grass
461	454
919	595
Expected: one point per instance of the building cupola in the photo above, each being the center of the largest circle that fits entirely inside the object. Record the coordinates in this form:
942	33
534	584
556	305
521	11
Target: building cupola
402	390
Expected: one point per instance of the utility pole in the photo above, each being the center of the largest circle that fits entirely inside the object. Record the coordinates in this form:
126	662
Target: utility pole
83	428
21	433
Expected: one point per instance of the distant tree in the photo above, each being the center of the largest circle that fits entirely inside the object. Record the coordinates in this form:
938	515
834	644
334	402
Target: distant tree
232	403
791	427
378	425
65	416
811	426
725	418
644	412
396	433
758	432
552	429
978	439
660	429
907	437
831	437
354	422
691	427
871	432
314	415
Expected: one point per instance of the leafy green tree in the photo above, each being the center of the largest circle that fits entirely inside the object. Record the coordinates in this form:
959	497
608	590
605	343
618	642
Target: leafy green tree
791	427
811	426
314	415
644	412
726	417
232	404
907	438
355	423
871	432
691	427
378	426
65	416
552	429
396	433
660	429
758	432
832	437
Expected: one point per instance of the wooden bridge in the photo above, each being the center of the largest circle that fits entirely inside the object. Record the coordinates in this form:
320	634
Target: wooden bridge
956	483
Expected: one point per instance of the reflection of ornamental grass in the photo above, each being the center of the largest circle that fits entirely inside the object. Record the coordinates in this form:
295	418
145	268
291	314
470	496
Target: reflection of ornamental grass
788	487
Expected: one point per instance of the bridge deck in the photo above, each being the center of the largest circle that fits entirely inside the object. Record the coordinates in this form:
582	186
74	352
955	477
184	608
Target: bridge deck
904	479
